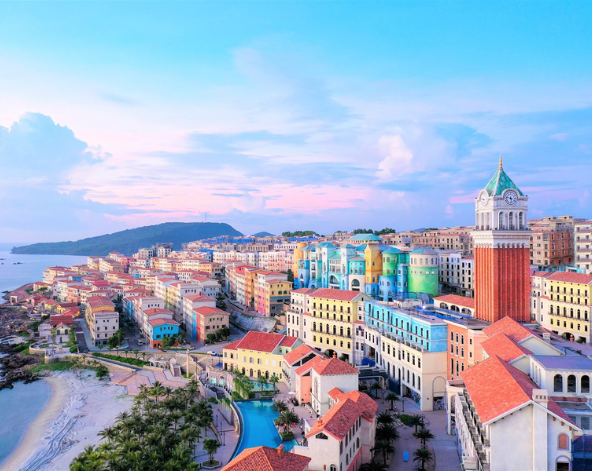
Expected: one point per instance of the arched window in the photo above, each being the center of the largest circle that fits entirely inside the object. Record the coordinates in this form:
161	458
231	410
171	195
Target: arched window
571	384
348	332
500	224
511	221
341	331
563	442
520	220
585	384
333	468
558	383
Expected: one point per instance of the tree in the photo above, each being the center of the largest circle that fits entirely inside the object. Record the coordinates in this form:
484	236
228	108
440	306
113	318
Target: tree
263	381
387	433
288	418
211	446
385	448
136	351
181	336
424	456
416	420
373	466
375	386
384	418
424	435
392	397
290	276
211	338
225	332
274	380
280	405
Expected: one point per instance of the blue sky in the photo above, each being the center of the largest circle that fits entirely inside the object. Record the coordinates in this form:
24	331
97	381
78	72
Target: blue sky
286	115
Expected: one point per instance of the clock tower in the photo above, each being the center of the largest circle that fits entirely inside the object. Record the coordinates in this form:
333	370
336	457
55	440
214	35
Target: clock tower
502	251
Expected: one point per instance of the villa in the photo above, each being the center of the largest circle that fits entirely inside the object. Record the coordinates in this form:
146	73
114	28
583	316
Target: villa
259	354
264	458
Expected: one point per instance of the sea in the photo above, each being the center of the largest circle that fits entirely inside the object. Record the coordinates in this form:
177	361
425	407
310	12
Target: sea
19	406
18	270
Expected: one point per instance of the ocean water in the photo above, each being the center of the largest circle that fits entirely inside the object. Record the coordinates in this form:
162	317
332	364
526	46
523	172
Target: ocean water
13	276
18	408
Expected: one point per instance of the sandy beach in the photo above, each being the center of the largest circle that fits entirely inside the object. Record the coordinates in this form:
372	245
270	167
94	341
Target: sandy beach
78	409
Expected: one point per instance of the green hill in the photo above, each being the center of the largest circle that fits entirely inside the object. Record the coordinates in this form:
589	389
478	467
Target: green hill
129	241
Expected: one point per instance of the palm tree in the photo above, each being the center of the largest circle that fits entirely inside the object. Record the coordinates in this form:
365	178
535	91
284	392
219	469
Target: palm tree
211	446
288	418
274	380
280	405
375	386
373	466
384	418
416	420
392	397
262	381
136	351
424	456
387	432
424	435
385	448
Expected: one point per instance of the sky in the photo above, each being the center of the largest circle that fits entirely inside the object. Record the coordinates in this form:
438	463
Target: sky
288	115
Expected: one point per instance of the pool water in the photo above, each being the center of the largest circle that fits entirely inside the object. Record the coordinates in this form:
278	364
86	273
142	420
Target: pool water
262	387
258	428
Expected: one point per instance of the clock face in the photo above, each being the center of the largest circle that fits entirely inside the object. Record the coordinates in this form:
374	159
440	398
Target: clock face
510	197
483	198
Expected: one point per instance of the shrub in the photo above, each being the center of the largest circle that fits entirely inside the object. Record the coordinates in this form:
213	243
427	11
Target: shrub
102	371
287	435
405	418
129	361
73	349
213	400
236	396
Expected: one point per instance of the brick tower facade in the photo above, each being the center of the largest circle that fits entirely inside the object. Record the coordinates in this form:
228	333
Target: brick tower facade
502	251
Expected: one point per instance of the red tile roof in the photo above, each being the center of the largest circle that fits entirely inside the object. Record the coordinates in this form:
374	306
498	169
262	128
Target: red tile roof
232	346
260	341
338	420
368	406
569	277
457	300
157	322
509	327
55	320
157	310
303	290
327	366
206	311
336	294
502	346
288	341
497	388
298	353
199	297
263	458
544	274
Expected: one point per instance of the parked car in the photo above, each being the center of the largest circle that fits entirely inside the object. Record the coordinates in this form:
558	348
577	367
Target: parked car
140	342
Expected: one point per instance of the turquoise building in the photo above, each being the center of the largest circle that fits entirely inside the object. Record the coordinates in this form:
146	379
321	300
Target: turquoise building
368	265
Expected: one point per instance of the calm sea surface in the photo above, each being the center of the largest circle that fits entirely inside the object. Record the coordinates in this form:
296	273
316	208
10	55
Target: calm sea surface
18	407
13	276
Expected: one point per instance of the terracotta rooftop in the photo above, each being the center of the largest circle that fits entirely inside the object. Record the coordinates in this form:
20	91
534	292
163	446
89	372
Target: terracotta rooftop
504	347
327	366
55	320
199	297
303	290
544	274
338	420
263	458
457	300
157	322
509	327
569	277
497	388
288	341
157	310
298	353
206	311
336	294
261	341
232	346
368	406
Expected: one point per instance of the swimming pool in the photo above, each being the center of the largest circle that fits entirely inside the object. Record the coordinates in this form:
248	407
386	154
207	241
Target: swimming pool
262	387
258	428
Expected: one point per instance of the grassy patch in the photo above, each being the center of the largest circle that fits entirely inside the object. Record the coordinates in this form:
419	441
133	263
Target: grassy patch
129	361
34	326
57	366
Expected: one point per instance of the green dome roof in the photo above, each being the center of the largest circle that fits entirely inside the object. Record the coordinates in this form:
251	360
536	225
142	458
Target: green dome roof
501	182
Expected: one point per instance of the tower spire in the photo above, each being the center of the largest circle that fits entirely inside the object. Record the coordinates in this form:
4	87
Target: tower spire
500	165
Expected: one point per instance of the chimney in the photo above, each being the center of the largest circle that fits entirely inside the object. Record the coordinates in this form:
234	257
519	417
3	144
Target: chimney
540	396
280	451
320	422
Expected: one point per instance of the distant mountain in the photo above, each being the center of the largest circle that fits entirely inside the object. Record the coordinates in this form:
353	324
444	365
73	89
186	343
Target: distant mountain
129	241
262	234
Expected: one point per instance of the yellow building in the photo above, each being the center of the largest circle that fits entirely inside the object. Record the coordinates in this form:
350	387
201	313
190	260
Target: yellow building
373	257
570	299
259	354
334	317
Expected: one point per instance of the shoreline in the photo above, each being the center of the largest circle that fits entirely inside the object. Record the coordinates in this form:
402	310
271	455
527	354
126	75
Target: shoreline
40	424
79	408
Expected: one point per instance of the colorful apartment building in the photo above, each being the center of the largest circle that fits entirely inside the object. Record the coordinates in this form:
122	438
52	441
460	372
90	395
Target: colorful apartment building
582	246
209	320
158	329
259	353
369	266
